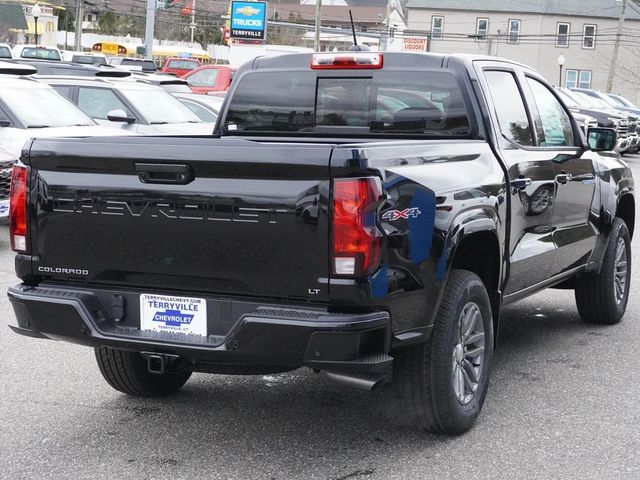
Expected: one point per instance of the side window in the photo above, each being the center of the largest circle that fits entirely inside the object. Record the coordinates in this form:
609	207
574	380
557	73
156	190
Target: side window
63	90
584	79
482	27
98	102
204	114
203	78
555	122
571	79
589	37
512	116
437	26
514	31
5	118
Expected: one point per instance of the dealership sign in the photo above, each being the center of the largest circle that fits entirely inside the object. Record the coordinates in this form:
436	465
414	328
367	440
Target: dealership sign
249	20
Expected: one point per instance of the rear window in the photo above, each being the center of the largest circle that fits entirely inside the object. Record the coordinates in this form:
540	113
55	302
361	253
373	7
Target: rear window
385	103
146	65
5	52
89	59
40	53
183	64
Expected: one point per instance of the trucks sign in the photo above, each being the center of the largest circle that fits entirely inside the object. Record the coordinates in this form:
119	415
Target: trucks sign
249	20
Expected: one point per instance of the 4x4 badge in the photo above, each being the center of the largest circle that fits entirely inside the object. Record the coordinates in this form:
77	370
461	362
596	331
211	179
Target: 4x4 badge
397	214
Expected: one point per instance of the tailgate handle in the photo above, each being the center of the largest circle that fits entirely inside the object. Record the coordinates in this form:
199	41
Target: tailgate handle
164	173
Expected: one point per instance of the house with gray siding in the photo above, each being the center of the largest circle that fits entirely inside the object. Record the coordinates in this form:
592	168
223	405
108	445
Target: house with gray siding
537	33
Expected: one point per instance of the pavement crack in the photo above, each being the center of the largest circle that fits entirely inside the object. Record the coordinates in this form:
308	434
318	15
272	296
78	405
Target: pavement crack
357	473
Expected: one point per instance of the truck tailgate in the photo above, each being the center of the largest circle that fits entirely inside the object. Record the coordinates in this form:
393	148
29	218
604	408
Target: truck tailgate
216	215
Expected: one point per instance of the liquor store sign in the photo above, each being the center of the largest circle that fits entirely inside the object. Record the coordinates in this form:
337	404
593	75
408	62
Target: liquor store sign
249	20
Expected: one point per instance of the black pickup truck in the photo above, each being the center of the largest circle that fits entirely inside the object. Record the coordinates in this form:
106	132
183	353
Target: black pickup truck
363	214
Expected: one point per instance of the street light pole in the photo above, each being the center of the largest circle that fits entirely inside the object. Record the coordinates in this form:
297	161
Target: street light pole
561	61
35	12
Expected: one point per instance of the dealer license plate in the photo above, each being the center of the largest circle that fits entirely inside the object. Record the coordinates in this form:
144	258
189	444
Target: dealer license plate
162	313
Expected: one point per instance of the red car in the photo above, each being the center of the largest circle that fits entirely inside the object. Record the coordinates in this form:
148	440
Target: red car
179	66
210	78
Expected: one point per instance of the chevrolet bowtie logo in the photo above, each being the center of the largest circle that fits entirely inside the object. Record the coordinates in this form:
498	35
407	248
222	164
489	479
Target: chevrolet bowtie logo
247	11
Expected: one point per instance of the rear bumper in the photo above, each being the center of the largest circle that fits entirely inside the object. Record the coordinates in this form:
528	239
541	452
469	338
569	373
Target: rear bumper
269	336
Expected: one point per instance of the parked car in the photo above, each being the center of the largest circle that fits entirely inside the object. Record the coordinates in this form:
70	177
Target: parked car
605	117
168	82
631	119
37	52
7	161
88	58
5	52
130	105
210	78
622	101
179	66
585	121
633	115
134	63
45	67
322	225
29	108
204	106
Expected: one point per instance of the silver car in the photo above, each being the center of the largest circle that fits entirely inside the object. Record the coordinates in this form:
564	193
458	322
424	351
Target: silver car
130	105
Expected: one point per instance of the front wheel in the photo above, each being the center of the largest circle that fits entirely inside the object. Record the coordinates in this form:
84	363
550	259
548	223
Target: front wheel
441	385
127	372
602	297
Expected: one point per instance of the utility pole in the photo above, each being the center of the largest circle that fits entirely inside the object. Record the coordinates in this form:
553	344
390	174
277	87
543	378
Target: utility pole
148	31
193	19
616	47
316	42
384	39
77	38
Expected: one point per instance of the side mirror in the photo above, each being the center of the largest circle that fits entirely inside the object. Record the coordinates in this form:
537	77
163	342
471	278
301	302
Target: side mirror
119	115
601	139
5	123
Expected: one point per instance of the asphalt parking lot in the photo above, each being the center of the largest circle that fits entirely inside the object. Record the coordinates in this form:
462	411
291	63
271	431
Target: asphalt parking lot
563	403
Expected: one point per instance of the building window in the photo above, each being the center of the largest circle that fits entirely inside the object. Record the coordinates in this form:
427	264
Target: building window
562	34
577	79
584	79
589	37
514	31
482	27
437	25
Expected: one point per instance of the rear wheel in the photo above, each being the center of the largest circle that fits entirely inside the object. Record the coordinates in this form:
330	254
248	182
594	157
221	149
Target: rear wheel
127	372
440	386
602	297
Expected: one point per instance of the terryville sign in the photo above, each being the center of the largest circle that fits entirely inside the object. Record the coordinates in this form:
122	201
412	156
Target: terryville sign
249	20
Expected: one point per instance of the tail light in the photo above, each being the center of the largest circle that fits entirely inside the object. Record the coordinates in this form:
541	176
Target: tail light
356	239
346	60
18	209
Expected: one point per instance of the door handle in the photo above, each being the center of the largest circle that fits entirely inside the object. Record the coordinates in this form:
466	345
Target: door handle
164	173
520	183
563	178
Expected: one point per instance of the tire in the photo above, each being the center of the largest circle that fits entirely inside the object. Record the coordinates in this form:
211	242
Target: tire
127	372
425	375
598	296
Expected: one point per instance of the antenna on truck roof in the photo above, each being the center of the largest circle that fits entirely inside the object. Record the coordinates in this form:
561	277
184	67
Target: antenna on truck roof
355	47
